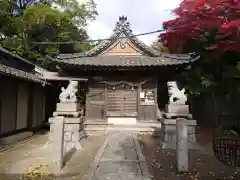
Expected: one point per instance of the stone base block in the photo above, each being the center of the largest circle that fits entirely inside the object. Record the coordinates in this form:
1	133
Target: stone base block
66	113
73	120
174	115
73	140
177	109
69	120
169	132
174	122
68	106
73	133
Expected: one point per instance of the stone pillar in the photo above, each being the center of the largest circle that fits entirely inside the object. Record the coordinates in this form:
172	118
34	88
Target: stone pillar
57	143
182	145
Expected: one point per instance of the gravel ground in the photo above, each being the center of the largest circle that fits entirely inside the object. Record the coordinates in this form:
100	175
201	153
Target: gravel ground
203	165
32	159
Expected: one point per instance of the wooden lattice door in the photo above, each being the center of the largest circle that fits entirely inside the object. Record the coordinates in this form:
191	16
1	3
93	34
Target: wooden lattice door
122	101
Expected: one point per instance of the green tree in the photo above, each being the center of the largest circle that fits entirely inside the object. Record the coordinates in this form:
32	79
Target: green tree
42	21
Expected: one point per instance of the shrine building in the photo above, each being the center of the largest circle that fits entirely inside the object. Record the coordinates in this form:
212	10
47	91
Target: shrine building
123	77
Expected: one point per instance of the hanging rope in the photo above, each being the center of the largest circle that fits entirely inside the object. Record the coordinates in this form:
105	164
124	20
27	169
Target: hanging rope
123	82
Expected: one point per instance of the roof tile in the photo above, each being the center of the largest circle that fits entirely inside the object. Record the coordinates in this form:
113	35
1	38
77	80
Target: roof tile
123	61
20	74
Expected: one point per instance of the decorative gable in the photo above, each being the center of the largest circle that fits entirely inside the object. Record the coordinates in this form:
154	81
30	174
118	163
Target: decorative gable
122	42
123	50
122	47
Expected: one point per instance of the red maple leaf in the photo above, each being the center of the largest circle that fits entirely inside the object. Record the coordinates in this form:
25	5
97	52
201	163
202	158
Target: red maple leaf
196	19
201	2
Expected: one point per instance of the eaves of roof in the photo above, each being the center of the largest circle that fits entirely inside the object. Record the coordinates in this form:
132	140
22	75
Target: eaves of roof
10	71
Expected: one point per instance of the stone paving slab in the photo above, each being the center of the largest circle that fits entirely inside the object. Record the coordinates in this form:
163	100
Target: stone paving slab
118	171
120	153
120	158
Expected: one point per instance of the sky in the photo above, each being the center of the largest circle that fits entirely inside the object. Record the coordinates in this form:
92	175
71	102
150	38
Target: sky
143	15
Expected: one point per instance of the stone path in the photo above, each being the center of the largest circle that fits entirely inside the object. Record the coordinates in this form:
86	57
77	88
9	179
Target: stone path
119	158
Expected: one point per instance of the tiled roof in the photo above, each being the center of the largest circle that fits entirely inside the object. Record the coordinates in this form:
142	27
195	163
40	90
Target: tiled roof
7	70
72	55
126	61
15	55
150	57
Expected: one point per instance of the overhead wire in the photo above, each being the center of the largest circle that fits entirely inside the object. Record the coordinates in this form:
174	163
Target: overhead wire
92	40
105	39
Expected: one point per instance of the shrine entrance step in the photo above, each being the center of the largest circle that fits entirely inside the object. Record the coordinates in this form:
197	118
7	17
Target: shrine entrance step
149	127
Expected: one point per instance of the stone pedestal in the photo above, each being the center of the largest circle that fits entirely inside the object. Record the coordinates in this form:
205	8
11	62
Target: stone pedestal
177	110
73	132
67	107
73	125
169	133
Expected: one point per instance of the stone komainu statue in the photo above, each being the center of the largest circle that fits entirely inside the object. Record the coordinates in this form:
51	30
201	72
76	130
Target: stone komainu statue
176	96
69	94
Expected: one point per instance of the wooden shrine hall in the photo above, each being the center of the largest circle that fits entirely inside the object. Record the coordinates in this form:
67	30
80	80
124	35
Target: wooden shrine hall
123	77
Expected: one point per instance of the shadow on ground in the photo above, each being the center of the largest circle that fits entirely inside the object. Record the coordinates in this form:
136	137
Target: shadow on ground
68	156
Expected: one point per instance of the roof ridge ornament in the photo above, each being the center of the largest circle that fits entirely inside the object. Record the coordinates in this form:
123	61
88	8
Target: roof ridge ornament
123	19
122	24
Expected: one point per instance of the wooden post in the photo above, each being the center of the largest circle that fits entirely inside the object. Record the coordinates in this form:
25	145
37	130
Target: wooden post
182	145
105	102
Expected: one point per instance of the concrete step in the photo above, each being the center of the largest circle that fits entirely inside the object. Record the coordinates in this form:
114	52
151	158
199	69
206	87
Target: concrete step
154	128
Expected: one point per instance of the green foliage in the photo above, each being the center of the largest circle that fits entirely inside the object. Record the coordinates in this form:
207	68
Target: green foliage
42	21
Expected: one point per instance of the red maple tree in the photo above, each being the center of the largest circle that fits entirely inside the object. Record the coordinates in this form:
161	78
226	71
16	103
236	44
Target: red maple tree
214	23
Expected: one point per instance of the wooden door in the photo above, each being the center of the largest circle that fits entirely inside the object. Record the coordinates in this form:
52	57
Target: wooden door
129	103
122	103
